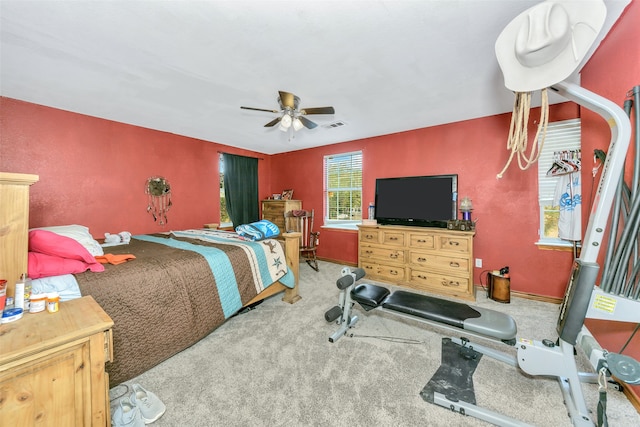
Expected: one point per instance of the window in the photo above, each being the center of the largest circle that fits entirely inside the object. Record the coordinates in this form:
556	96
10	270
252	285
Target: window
343	189
561	136
225	221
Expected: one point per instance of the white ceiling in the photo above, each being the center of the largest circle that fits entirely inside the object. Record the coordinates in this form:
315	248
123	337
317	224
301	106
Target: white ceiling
186	67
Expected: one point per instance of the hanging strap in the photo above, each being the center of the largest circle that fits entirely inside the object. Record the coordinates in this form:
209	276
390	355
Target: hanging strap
602	399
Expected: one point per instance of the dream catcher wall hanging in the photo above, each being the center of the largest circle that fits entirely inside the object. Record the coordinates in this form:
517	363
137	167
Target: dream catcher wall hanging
158	191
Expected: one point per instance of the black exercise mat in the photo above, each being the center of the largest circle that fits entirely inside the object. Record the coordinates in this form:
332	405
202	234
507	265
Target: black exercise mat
454	377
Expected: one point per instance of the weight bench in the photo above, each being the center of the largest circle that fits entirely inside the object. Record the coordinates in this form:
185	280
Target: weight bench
479	321
482	321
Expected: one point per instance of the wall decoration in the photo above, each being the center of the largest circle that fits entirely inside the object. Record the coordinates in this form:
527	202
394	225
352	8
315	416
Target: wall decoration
158	191
287	195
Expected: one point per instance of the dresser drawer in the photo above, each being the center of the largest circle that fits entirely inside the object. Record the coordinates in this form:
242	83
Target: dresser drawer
454	244
382	254
422	241
392	273
451	264
370	236
438	282
392	238
272	208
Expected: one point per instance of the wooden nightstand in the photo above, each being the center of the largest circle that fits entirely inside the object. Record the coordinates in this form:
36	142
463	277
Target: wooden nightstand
52	367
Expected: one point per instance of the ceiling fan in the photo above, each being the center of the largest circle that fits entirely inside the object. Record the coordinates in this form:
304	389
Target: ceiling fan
291	114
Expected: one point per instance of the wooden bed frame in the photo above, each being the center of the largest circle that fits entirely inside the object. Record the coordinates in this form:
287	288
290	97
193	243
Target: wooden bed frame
292	253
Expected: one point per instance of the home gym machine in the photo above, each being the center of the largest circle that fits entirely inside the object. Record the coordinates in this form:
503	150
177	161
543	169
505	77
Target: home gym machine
583	299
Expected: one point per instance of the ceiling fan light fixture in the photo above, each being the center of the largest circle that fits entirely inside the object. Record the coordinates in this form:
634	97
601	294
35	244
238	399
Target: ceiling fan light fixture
285	122
291	116
297	124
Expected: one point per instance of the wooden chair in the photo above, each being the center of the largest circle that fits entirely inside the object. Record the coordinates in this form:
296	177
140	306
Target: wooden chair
302	221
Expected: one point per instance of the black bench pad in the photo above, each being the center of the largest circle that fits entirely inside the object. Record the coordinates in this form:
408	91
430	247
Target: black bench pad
476	319
436	309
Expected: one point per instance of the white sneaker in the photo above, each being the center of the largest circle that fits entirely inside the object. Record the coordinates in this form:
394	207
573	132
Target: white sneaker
151	408
127	414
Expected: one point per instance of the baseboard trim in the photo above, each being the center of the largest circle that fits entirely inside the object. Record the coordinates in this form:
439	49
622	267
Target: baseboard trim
525	295
337	261
633	397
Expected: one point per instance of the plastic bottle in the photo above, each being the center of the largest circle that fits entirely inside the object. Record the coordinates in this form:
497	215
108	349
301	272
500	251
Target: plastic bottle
18	296
372	210
38	303
53	302
27	294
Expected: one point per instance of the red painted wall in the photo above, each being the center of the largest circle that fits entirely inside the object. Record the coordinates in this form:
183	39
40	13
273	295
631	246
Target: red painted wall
506	209
93	171
612	72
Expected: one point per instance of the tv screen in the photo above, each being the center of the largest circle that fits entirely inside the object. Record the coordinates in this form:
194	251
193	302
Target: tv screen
428	201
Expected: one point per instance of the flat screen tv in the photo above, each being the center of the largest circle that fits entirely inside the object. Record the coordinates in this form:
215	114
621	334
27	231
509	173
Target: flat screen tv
426	201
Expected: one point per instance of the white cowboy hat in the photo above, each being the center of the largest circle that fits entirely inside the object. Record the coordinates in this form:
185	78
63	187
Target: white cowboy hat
546	43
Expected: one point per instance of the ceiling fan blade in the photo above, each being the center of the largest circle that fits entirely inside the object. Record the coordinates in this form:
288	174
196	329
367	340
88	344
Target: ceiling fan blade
318	110
273	122
260	109
307	123
287	99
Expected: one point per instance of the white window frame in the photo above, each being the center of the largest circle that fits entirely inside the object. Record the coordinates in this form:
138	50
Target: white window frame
560	136
356	160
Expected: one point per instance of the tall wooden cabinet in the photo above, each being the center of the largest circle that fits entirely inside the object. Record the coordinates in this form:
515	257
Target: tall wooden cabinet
429	259
52	367
274	210
14	226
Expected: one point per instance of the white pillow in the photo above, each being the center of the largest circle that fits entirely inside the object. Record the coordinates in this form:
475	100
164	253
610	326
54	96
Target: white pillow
78	233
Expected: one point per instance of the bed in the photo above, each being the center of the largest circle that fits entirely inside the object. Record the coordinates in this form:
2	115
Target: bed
179	288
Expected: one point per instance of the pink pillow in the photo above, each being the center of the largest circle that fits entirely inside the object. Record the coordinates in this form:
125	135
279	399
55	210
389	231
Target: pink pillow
41	265
49	243
60	249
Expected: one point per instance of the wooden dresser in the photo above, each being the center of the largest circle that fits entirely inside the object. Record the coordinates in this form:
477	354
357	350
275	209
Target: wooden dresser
14	226
52	367
435	260
274	210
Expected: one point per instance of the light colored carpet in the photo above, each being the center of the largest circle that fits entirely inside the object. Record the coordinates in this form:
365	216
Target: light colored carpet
274	366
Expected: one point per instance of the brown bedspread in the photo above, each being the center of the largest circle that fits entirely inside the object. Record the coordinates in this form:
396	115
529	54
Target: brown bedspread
161	303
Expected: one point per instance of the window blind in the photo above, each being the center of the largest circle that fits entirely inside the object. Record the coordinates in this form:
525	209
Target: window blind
561	136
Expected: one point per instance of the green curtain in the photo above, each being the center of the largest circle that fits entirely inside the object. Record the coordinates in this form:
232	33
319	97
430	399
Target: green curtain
241	188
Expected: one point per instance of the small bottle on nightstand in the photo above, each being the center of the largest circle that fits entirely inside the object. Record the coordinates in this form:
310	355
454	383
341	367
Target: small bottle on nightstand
27	293
18	296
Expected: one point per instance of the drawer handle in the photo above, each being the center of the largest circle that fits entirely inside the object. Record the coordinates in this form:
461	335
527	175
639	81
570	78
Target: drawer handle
422	241
369	268
454	264
420	276
393	272
393	238
393	256
452	243
450	283
422	259
368	236
368	252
